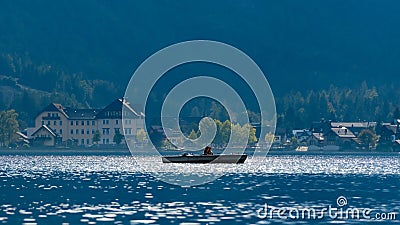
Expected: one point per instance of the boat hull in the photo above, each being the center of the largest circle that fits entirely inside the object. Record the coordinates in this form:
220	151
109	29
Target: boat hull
205	159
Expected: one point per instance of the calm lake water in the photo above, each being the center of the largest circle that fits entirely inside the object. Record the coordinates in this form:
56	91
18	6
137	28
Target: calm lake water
115	190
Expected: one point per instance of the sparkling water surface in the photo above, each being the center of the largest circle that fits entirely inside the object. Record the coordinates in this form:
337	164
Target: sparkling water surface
56	189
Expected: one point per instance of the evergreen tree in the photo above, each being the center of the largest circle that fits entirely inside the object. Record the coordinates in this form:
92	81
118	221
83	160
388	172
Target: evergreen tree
96	137
192	135
118	137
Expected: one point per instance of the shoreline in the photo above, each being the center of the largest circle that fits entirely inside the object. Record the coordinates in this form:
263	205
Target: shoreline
66	151
331	153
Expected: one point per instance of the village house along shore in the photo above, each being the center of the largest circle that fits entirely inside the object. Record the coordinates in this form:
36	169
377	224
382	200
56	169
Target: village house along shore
64	129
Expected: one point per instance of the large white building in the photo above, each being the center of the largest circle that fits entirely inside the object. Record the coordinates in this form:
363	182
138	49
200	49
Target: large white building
63	126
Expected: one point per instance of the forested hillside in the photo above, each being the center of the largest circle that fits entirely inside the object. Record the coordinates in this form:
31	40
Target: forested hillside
316	54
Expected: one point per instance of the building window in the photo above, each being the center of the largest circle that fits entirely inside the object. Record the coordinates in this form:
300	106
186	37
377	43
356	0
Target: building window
77	123
48	114
87	141
72	131
60	131
60	122
42	122
82	131
128	122
77	131
107	141
72	123
48	122
55	123
128	131
104	141
87	131
82	141
106	131
93	131
107	122
83	123
116	130
93	123
116	122
87	123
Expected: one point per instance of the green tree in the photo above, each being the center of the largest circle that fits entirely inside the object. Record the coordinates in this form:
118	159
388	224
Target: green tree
245	134
192	135
225	132
218	137
118	137
8	127
367	138
96	137
238	134
141	136
205	133
269	137
294	141
252	139
166	144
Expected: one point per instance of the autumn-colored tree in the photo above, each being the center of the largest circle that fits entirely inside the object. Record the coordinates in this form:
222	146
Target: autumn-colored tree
367	138
141	136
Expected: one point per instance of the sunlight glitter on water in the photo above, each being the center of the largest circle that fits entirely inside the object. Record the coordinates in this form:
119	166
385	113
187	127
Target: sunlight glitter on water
274	164
115	189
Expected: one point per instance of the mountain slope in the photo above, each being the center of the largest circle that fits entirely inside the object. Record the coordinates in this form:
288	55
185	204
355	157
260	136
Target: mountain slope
88	50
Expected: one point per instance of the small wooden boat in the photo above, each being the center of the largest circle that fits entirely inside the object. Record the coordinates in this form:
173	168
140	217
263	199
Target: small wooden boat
187	158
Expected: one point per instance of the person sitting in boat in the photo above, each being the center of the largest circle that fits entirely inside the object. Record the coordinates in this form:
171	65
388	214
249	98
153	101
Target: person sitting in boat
207	151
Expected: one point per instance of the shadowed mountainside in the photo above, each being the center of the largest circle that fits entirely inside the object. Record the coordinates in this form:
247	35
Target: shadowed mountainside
84	52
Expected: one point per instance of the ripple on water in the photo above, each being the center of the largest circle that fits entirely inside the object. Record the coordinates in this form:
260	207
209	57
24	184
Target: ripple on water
113	188
142	221
84	166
